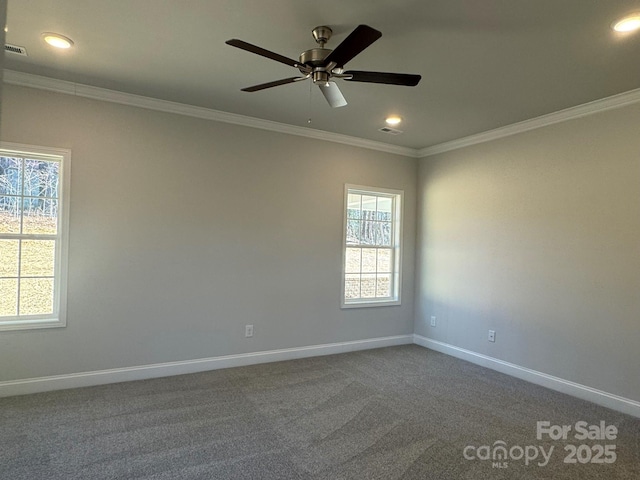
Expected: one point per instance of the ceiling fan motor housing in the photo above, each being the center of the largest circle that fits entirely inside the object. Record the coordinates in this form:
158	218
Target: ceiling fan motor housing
314	57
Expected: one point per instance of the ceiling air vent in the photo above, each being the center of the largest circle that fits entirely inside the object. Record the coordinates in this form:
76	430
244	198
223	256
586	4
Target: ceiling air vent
15	49
390	131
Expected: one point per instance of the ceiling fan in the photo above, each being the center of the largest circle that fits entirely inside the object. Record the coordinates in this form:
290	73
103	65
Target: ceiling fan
322	64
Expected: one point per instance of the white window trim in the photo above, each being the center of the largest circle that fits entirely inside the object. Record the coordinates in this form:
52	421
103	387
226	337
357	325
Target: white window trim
59	318
397	246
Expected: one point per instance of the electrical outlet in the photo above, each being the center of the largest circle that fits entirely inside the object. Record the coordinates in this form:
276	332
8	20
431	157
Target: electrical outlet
433	321
492	336
248	330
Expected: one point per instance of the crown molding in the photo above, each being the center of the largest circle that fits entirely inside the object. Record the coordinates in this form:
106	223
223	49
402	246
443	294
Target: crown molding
96	93
607	103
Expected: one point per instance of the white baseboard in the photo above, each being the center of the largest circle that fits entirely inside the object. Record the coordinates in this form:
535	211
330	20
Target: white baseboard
609	400
143	372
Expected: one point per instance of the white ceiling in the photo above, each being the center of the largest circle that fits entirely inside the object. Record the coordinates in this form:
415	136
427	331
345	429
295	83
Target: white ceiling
484	63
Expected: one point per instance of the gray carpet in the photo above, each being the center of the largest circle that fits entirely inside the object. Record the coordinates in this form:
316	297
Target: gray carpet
393	413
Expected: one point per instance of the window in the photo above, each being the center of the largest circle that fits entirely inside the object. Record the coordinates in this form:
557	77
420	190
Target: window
371	263
34	192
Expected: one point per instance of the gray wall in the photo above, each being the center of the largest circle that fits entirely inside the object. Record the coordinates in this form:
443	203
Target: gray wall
537	236
184	230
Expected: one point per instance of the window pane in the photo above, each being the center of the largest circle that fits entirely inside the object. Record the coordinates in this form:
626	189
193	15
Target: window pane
384	260
369	260
353	206
368	233
384	208
369	204
353	232
8	297
36	296
352	260
41	178
368	286
37	258
10	176
9	214
376	233
40	216
351	286
383	286
383	234
9	258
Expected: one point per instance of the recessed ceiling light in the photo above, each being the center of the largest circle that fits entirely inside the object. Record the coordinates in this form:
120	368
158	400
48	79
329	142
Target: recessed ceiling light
57	40
393	120
629	23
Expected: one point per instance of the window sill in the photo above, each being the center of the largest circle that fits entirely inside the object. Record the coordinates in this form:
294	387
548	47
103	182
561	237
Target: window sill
371	303
15	325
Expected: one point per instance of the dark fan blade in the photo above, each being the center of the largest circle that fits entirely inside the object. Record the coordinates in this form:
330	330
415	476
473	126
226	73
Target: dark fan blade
356	42
405	79
262	86
234	42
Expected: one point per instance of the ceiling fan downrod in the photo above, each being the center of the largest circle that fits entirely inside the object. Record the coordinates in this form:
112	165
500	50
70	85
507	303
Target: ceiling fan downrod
314	58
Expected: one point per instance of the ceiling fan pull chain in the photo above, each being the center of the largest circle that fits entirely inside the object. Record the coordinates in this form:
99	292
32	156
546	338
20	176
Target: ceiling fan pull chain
309	119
